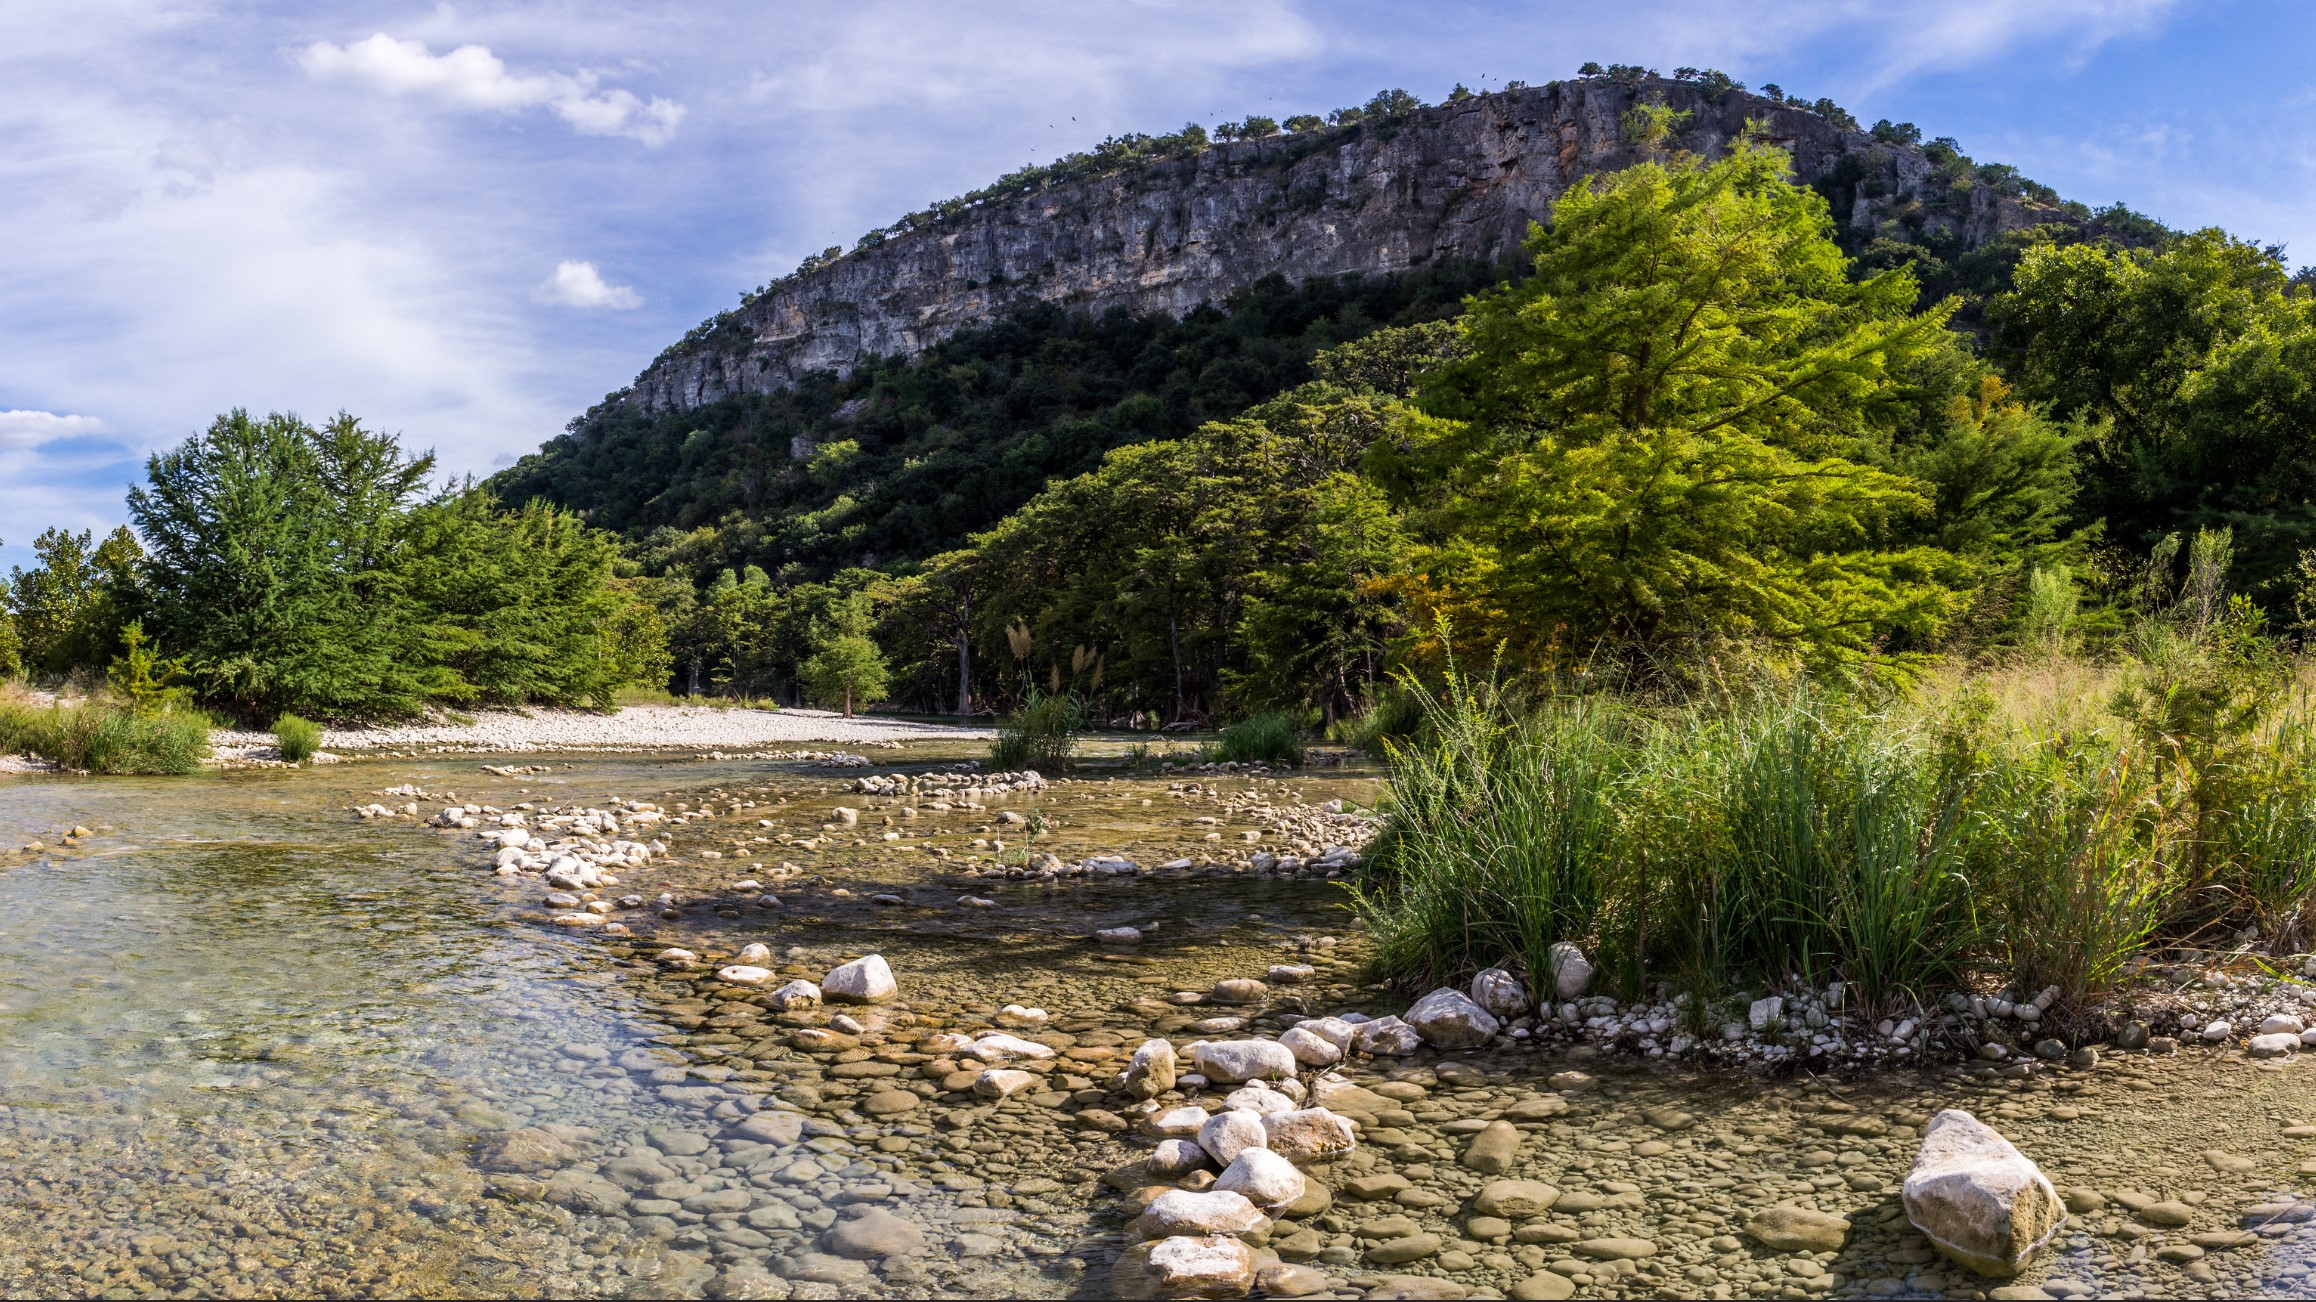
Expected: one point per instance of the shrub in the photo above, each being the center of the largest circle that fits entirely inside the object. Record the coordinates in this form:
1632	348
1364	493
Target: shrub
1389	716
1263	739
107	738
299	738
1043	735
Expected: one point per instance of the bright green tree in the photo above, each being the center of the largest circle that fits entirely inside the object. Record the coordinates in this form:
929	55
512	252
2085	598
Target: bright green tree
849	669
70	607
1661	437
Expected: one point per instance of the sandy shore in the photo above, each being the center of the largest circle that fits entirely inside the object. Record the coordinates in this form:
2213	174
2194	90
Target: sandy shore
648	727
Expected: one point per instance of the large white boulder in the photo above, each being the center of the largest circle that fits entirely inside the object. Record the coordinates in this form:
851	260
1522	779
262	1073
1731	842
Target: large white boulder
1182	1122
1977	1198
1500	993
1227	1134
1309	1134
1214	1211
1184	1266
1268	1180
1571	972
865	980
1446	1019
1150	1072
1235	1062
1387	1036
1334	1030
2276	1044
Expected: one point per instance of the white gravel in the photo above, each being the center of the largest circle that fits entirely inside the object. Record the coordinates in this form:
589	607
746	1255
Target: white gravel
644	727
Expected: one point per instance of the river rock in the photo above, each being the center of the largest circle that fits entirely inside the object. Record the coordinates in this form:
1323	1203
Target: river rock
865	980
1310	1048
1500	993
1798	1229
771	1127
1977	1198
1289	974
1387	1037
1239	990
1182	1122
2277	1044
1215	1211
755	951
1284	1279
1494	1149
1235	1062
875	1233
525	1151
1515	1200
1176	1157
1544	1286
742	974
1268	1180
584	1191
2287	1023
1446	1019
1184	1266
2134	1035
1334	1030
997	1046
1571	972
1309	1134
1150	1072
1227	1134
1259	1099
796	994
1003	1082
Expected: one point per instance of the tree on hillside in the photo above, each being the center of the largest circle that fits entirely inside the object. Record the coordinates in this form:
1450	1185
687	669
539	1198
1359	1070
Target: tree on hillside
1659	438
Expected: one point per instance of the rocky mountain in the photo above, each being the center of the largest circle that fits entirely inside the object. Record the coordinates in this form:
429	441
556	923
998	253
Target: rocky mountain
1458	181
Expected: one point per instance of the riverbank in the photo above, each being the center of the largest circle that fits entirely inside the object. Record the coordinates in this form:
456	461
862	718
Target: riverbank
629	729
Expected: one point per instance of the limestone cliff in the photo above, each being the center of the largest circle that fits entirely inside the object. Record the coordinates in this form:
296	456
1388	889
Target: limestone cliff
1458	180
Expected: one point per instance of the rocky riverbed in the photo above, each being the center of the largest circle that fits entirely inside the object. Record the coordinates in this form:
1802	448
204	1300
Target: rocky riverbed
257	1043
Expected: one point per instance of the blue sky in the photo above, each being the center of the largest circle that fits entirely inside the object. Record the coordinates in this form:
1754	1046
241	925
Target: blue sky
467	222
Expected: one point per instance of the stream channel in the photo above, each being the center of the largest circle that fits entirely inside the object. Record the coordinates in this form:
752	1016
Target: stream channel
252	1046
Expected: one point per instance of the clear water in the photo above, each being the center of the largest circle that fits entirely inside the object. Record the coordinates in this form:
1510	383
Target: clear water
251	1046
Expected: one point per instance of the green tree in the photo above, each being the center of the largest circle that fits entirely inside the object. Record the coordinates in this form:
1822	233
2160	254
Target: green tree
70	607
2195	363
1661	437
141	677
272	566
850	669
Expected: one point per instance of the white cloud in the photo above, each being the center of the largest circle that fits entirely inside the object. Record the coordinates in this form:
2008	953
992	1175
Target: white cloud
471	77
579	284
30	429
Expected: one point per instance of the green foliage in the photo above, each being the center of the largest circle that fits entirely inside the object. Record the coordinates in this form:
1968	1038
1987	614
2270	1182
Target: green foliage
304	569
1387	716
69	608
141	677
102	737
1042	735
1272	738
954	441
848	669
298	738
2197	364
1663	436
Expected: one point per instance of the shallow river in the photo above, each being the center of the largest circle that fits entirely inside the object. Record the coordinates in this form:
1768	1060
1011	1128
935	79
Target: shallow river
252	1046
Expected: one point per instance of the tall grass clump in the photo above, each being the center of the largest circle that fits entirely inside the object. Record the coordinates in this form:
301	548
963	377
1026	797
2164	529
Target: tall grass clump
105	737
1261	739
1390	715
1042	735
298	738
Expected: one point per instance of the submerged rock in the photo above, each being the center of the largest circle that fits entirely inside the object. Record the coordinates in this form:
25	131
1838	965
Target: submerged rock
1978	1199
1798	1229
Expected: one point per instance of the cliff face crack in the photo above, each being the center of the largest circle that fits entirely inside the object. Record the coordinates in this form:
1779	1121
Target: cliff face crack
1459	180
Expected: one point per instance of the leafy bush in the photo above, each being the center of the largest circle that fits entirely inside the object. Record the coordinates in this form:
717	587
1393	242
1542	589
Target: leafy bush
1388	716
1271	738
106	737
299	738
1042	736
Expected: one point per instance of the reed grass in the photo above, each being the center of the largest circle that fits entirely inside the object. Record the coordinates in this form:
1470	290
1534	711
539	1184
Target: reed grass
1042	735
103	736
2007	827
1262	739
298	738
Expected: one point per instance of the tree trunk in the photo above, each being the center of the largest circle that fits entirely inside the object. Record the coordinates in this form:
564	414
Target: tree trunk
1174	642
848	702
965	658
